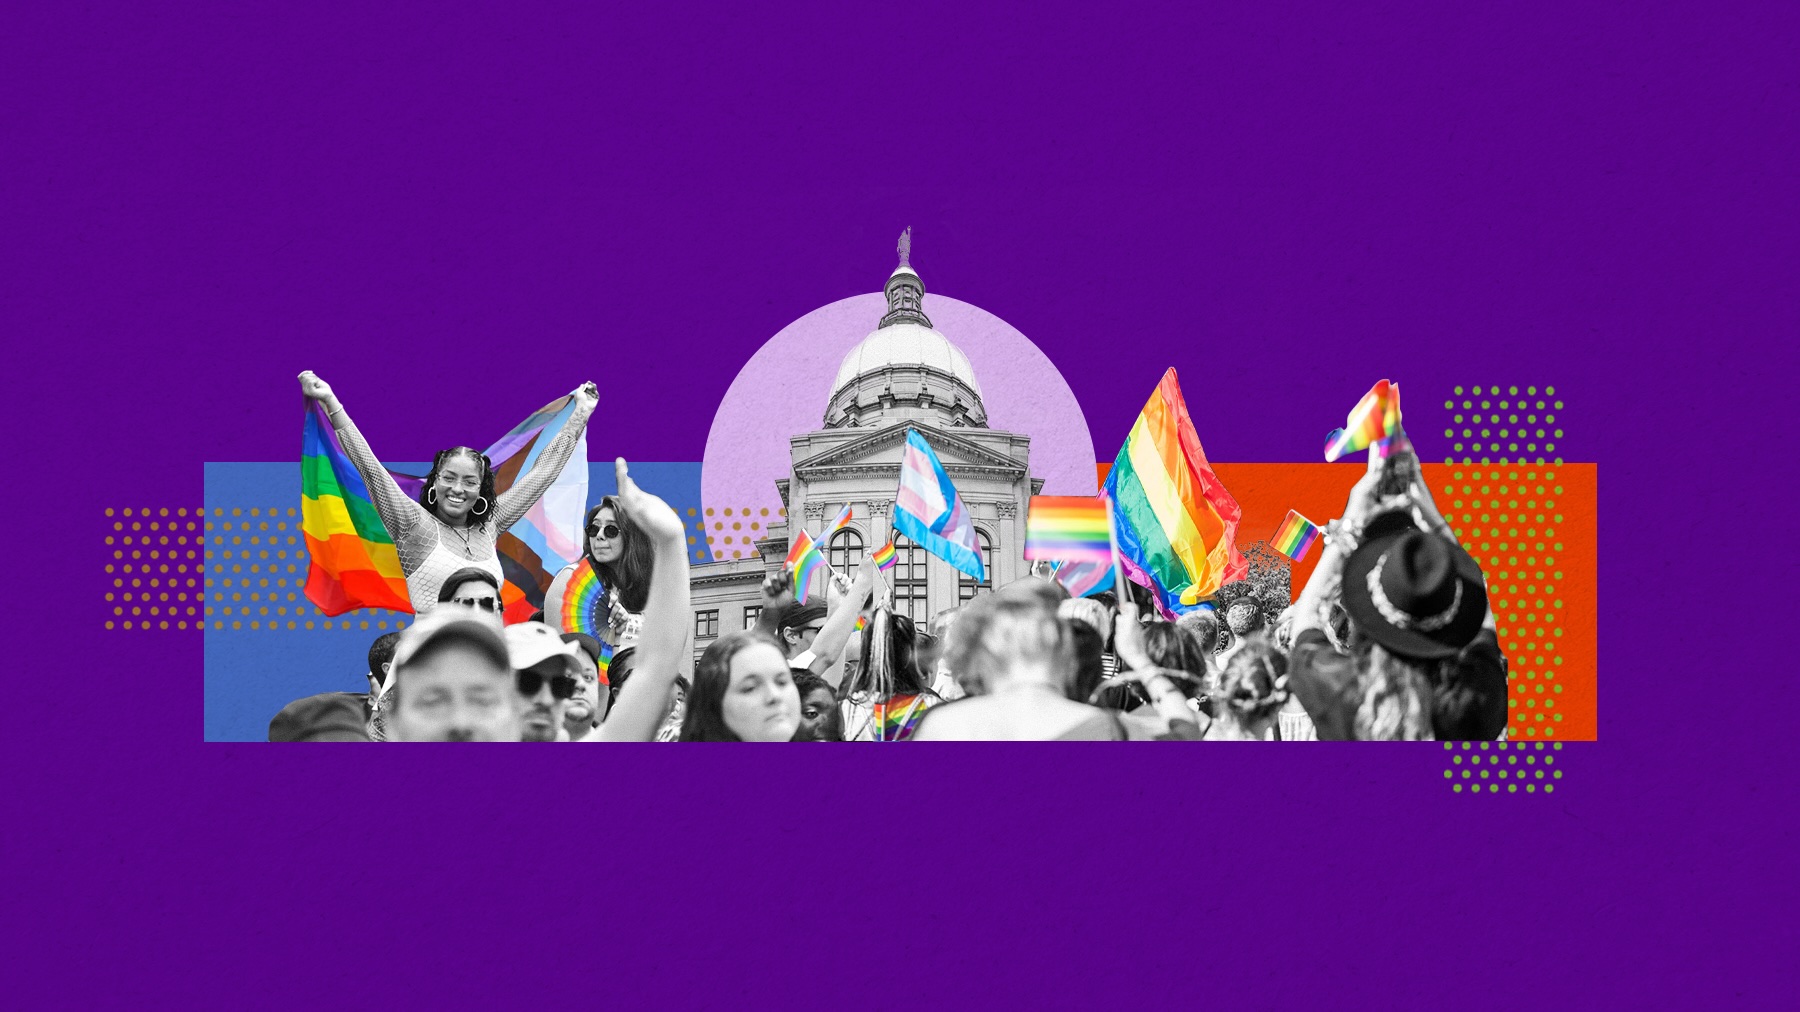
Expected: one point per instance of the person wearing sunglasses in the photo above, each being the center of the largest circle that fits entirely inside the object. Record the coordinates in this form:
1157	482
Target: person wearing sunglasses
618	552
476	589
546	673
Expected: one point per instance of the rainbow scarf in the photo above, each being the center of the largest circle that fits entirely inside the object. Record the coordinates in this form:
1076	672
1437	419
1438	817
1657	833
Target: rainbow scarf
808	566
1067	527
1375	418
1176	522
898	716
885	557
1295	537
353	560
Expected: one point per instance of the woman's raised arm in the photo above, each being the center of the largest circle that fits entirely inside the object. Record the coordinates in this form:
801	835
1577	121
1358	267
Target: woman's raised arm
515	502
660	650
399	514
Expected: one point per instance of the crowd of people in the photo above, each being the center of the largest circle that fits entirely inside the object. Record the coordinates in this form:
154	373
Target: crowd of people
1391	638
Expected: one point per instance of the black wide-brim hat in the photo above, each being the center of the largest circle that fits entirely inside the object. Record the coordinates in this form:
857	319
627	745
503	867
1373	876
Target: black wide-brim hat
1416	593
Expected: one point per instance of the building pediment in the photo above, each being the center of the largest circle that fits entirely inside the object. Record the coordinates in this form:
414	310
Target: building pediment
881	447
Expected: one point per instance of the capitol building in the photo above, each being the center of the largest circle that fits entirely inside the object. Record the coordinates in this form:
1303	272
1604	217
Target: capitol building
905	374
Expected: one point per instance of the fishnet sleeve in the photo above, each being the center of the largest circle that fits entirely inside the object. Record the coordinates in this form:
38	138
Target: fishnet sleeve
516	501
399	514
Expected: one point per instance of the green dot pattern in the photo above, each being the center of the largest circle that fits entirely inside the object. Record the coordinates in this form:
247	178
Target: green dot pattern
1516	768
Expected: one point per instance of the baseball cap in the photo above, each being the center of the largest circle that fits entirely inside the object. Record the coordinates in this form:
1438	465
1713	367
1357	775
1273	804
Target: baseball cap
446	622
330	716
529	644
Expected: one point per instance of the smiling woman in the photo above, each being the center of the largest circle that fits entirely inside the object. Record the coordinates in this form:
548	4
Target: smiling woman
459	518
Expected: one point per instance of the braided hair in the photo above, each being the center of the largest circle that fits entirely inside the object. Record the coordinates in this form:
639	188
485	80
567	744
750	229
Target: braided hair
429	501
1254	684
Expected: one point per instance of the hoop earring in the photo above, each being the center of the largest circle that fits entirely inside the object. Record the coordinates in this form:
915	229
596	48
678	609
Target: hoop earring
482	499
431	496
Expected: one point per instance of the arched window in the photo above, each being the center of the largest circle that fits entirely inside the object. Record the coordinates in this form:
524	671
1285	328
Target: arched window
965	584
844	551
910	584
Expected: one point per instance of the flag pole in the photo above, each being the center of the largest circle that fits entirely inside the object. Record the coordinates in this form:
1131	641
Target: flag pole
1112	536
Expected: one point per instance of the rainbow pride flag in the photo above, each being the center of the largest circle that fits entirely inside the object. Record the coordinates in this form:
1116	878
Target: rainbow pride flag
886	556
808	566
898	716
1375	418
1084	577
353	560
839	523
1176	522
1068	527
1295	537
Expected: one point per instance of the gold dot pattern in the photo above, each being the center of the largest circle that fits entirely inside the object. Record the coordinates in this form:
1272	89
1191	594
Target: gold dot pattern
238	569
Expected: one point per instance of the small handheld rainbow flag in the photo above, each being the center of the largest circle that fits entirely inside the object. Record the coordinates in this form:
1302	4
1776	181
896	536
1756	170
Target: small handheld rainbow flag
808	566
885	557
1067	527
841	521
897	717
1375	418
1084	577
1295	537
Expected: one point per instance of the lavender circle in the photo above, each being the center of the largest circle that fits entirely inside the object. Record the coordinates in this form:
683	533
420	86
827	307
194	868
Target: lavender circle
783	389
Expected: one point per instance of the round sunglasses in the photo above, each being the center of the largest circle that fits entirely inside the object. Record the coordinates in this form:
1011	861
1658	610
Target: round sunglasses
609	532
483	603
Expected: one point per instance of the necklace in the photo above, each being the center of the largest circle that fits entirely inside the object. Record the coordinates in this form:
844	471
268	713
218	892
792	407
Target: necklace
463	536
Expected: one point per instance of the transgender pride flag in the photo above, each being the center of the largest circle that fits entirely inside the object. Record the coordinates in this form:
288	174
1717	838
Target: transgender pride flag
928	511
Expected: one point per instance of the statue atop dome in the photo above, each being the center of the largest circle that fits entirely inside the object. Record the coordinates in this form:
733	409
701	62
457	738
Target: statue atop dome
905	369
905	291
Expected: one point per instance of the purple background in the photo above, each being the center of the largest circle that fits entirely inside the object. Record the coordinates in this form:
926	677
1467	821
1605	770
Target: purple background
455	213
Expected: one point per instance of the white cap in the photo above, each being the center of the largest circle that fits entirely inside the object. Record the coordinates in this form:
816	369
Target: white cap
529	644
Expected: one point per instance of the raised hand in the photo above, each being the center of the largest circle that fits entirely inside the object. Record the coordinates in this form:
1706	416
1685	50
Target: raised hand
314	387
777	585
587	393
1128	638
653	516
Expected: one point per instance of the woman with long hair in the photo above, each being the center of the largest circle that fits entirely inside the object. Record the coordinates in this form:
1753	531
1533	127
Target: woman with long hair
458	519
743	691
1252	689
1417	611
889	693
638	711
615	552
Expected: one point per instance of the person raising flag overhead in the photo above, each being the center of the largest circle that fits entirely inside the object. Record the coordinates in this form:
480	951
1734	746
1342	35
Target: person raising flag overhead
363	522
1177	524
929	511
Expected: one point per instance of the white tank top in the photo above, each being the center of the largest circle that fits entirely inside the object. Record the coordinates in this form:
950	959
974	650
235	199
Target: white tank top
423	583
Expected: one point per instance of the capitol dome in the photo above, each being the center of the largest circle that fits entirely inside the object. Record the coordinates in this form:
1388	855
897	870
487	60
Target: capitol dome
905	369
